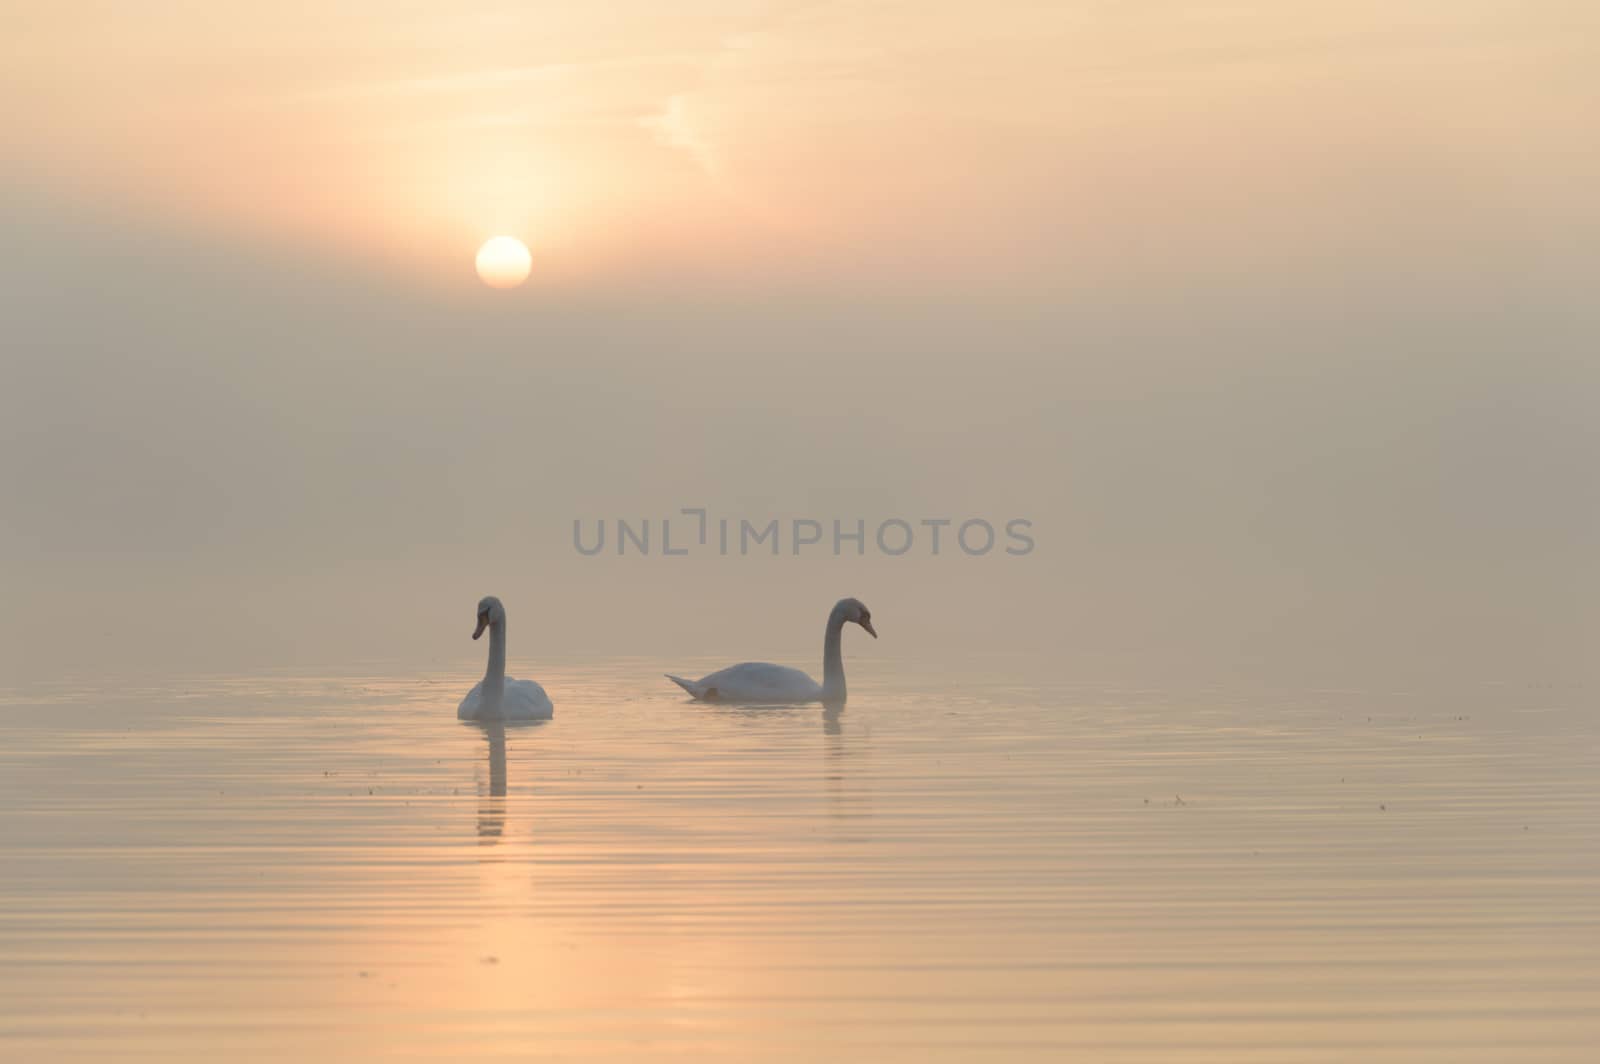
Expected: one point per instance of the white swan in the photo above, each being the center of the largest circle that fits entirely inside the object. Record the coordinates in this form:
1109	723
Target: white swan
495	697
758	681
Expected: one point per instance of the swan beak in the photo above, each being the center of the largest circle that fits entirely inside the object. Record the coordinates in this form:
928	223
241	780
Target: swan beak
868	626
483	622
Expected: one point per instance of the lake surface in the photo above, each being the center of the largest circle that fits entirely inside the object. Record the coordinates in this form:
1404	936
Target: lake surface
961	865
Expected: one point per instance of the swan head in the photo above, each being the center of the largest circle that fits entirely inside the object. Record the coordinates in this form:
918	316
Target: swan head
489	612
856	612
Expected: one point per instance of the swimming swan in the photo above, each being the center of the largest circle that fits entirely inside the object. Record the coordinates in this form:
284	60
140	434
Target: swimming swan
495	697
758	681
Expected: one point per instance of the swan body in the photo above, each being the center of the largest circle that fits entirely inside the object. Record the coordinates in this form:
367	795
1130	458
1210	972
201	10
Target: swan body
757	682
495	697
521	700
753	681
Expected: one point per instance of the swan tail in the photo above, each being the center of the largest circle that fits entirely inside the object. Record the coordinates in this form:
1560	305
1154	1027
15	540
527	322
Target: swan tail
687	685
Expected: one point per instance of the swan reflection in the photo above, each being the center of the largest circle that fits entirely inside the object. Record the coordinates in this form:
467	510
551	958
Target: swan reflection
844	773
492	807
492	803
832	723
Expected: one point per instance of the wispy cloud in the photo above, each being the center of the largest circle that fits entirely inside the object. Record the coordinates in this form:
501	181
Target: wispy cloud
468	81
674	128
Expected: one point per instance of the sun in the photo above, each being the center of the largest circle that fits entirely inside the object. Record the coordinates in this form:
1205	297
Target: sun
504	262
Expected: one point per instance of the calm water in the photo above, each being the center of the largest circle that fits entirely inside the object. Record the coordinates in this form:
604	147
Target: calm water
958	866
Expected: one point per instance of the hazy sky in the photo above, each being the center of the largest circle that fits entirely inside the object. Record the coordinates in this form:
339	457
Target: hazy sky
1276	318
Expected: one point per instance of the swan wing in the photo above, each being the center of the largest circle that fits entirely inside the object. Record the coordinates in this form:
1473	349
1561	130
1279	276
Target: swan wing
753	681
526	700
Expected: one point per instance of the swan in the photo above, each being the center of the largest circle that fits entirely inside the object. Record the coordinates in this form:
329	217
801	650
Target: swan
495	697
758	681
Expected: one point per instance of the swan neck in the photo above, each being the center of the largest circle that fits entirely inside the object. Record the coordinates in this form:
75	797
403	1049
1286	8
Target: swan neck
833	689
494	679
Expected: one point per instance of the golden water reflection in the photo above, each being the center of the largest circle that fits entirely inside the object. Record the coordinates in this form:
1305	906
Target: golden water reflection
948	868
